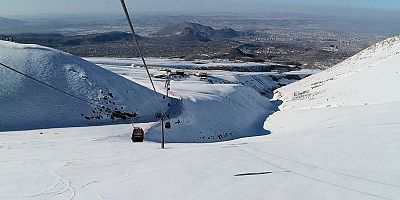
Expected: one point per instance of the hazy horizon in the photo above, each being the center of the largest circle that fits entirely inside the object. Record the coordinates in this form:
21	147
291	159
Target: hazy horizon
339	8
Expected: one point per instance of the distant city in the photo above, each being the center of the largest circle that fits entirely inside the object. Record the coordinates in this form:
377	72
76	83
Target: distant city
302	41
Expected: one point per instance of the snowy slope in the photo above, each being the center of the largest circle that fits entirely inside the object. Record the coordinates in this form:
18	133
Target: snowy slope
370	77
214	113
346	122
229	108
25	104
94	163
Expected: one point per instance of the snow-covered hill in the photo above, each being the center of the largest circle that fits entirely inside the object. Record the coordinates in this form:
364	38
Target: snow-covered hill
370	77
25	104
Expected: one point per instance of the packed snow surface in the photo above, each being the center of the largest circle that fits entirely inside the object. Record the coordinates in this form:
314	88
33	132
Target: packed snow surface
26	104
335	159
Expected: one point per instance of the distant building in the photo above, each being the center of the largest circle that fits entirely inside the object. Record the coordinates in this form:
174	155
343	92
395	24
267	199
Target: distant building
178	73
201	74
8	38
331	48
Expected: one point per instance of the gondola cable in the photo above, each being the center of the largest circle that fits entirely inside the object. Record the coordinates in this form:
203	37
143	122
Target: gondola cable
139	49
48	85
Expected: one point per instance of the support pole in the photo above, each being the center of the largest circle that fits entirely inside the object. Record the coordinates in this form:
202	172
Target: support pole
168	83
162	133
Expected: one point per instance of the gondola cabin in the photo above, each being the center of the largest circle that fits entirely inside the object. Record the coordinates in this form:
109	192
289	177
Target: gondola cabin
137	135
168	125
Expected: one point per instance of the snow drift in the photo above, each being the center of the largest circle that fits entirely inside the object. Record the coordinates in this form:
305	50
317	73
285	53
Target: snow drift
370	77
25	104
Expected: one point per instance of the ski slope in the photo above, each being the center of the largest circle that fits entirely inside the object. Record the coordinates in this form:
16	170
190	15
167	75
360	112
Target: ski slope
351	161
26	104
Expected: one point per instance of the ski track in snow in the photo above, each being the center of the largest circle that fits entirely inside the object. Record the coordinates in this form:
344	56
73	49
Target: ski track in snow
319	178
60	187
91	182
67	183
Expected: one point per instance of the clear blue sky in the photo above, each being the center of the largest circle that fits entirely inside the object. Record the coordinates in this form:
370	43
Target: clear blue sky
37	7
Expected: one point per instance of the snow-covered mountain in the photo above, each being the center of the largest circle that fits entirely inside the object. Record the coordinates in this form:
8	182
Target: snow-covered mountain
25	104
360	92
370	77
